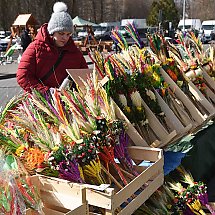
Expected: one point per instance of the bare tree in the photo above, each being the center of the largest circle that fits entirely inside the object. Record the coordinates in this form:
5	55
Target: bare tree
94	10
101	11
4	14
97	10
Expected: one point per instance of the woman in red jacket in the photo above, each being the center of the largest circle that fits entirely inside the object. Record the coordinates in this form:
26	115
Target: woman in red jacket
43	64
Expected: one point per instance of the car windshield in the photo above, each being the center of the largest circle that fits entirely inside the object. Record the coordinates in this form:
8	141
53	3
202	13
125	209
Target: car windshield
186	26
101	29
208	27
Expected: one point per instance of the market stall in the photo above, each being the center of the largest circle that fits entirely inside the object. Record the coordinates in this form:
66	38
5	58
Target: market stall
109	138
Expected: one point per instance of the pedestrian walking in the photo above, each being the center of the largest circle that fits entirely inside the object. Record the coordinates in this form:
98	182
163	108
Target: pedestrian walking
43	64
25	39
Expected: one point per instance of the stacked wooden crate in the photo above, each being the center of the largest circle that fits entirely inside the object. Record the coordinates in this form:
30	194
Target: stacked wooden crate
177	129
132	196
63	197
59	197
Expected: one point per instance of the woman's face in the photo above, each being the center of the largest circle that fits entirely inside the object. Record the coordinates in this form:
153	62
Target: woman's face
61	38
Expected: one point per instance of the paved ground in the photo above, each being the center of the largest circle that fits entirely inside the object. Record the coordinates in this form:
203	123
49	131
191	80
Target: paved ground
8	84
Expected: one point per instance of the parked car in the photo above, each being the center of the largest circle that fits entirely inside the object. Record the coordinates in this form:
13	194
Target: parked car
7	39
189	24
4	34
3	45
104	30
103	33
207	27
82	33
212	35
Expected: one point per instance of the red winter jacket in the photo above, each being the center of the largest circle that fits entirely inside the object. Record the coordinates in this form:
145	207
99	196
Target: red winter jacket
40	56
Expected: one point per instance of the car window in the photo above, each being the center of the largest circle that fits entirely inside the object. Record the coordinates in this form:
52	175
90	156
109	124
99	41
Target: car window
208	27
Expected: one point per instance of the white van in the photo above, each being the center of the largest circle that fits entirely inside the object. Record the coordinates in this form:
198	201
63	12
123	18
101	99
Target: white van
2	34
139	24
189	24
105	28
208	27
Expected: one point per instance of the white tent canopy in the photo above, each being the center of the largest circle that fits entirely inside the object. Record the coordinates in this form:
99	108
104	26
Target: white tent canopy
81	22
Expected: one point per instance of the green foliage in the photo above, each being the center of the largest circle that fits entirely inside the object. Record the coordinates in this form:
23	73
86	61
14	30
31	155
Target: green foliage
169	13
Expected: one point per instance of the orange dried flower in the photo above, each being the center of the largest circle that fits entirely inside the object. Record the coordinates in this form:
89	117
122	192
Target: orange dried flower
172	75
34	158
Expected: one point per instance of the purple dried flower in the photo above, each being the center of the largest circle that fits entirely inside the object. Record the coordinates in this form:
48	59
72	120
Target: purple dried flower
70	172
203	198
121	153
188	211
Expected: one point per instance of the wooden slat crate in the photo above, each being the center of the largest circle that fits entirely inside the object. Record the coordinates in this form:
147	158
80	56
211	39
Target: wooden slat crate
172	120
205	101
209	108
207	77
197	116
149	180
131	131
162	135
56	211
61	196
159	136
210	89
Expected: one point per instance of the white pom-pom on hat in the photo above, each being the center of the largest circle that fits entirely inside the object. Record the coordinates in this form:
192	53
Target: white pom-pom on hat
60	19
59	7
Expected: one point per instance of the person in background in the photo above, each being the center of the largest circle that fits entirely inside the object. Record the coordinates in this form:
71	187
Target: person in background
32	32
43	64
25	39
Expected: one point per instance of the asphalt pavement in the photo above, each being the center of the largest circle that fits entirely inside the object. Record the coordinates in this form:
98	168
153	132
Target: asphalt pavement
8	85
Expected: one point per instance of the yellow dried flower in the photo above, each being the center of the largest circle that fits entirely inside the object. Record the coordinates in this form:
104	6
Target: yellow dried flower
20	150
128	109
55	148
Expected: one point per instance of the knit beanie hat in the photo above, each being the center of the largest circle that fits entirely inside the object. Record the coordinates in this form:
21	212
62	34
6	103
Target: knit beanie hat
60	19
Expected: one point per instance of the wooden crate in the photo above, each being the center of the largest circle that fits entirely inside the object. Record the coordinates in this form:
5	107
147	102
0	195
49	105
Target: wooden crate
55	211
163	136
61	196
159	137
131	131
172	119
76	74
208	107
197	116
207	77
210	83
149	180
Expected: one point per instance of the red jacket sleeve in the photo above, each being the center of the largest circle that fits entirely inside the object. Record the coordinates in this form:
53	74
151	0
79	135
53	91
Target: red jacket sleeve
26	73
